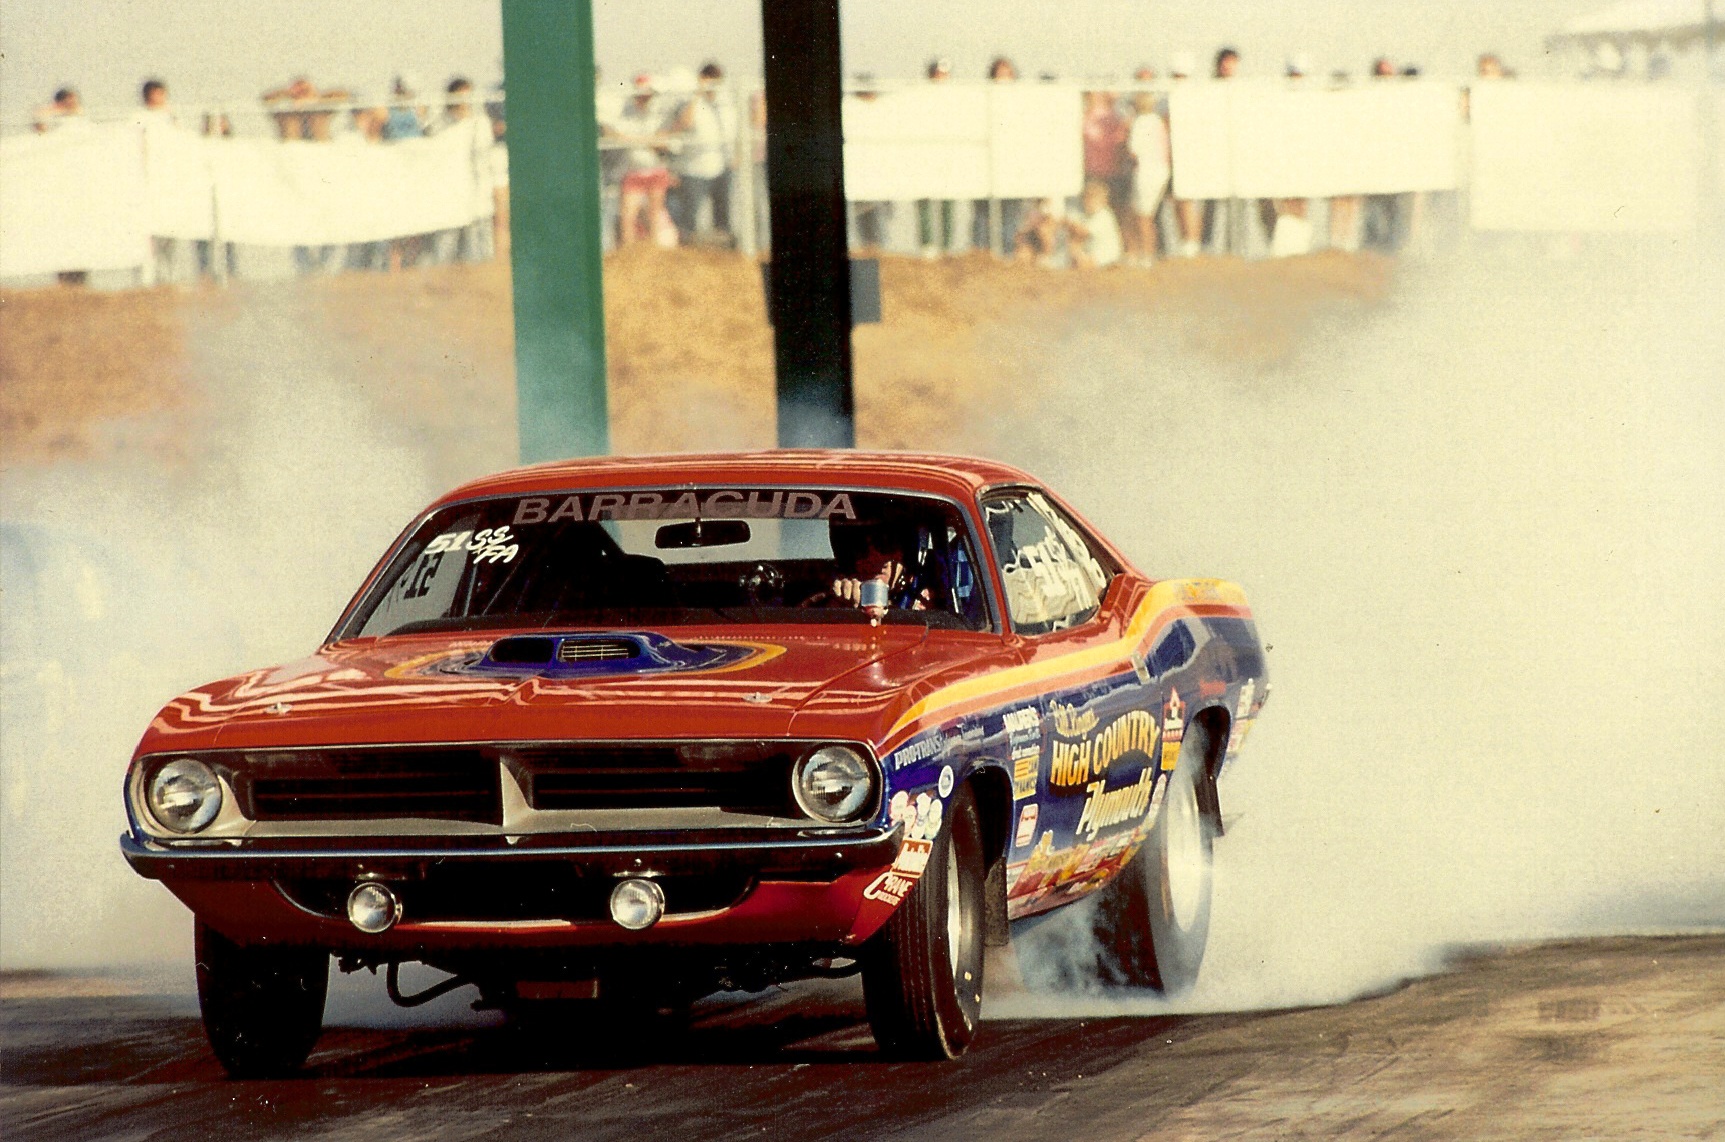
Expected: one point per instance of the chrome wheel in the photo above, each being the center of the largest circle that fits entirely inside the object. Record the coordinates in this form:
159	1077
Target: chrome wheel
1185	853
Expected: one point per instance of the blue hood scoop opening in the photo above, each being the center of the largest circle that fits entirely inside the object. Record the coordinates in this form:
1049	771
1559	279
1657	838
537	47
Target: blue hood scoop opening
608	652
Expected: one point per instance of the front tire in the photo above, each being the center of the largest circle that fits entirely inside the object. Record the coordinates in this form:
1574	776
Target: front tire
922	973
262	1007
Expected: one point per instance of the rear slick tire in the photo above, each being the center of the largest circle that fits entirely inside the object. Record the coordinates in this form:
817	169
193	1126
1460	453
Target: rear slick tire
262	1007
1153	923
922	972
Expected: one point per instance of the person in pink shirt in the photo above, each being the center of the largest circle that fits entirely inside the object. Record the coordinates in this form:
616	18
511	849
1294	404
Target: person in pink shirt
1106	159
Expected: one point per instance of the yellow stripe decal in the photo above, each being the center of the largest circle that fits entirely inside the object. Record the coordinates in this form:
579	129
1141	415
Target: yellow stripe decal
1170	599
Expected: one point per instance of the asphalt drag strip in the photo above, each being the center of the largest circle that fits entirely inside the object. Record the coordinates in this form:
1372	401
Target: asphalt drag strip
1613	1038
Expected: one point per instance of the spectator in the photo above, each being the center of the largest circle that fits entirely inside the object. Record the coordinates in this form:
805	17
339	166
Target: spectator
1039	233
66	110
1285	223
366	123
405	121
646	179
1151	169
613	157
310	121
1383	219
215	126
869	219
153	118
291	124
473	242
707	125
1011	210
1188	212
1106	159
1093	237
154	96
939	71
1344	208
1225	66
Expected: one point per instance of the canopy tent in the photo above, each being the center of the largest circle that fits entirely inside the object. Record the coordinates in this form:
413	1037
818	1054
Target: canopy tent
1672	23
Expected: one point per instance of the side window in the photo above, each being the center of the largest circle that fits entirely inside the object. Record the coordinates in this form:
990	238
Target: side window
1053	580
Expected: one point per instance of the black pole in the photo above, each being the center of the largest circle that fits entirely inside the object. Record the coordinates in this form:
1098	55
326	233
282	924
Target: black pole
810	291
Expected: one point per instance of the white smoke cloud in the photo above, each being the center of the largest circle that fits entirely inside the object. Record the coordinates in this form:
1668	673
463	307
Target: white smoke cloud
126	582
1481	527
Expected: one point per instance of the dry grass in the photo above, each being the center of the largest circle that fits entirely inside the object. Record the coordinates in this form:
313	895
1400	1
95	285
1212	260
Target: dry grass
690	351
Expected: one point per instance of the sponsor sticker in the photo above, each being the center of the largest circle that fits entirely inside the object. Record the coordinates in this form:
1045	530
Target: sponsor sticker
1076	764
893	885
945	784
1024	777
1070	721
1026	826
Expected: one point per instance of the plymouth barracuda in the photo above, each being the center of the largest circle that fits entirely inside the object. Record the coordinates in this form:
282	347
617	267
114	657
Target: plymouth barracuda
620	733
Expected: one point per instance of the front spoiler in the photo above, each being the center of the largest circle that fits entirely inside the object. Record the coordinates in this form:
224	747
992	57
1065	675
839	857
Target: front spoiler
824	858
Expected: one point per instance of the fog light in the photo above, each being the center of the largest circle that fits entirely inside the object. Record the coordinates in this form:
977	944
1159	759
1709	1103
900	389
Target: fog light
373	908
637	904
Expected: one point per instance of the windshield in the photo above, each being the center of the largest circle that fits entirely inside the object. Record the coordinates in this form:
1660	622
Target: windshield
662	556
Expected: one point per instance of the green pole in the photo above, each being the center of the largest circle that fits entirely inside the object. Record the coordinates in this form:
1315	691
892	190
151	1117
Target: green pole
554	225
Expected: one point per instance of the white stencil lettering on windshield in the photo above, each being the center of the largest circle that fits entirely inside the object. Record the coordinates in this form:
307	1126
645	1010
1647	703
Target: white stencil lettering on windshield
487	545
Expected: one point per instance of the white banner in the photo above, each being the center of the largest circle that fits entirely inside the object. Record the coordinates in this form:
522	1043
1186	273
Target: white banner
1584	158
308	194
1036	141
1246	139
946	141
179	188
88	197
72	199
921	142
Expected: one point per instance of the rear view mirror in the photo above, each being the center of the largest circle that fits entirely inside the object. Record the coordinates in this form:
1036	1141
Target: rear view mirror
701	533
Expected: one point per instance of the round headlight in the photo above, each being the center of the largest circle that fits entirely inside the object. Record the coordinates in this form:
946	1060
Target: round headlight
184	795
834	784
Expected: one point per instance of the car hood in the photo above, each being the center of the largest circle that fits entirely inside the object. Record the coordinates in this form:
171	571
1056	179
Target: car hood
704	682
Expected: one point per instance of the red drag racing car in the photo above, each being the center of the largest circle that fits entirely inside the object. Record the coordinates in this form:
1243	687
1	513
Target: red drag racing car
639	730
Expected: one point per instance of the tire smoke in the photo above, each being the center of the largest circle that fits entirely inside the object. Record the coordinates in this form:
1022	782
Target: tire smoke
1481	527
126	583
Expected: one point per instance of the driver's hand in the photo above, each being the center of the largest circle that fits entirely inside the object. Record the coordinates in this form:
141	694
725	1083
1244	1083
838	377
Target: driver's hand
848	592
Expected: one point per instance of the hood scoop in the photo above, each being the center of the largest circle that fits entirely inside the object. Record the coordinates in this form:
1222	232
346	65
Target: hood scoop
580	654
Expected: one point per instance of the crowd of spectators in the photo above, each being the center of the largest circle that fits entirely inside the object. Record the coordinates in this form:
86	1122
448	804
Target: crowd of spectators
672	146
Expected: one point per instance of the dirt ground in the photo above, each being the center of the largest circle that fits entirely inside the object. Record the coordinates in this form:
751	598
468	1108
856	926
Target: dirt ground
690	351
1602	1039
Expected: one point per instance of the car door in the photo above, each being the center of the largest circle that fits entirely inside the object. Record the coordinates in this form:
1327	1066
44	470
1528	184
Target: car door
1068	607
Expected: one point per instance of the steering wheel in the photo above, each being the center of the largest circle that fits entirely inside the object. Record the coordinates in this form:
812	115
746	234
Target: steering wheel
762	578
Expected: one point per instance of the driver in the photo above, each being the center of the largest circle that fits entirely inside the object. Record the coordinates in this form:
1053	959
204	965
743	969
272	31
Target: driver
876	552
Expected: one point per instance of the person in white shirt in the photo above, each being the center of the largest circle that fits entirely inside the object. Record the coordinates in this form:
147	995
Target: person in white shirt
706	125
1148	142
1093	236
66	111
475	241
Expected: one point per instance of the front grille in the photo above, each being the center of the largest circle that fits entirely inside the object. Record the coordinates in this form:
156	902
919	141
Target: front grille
532	890
446	784
596	649
739	778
